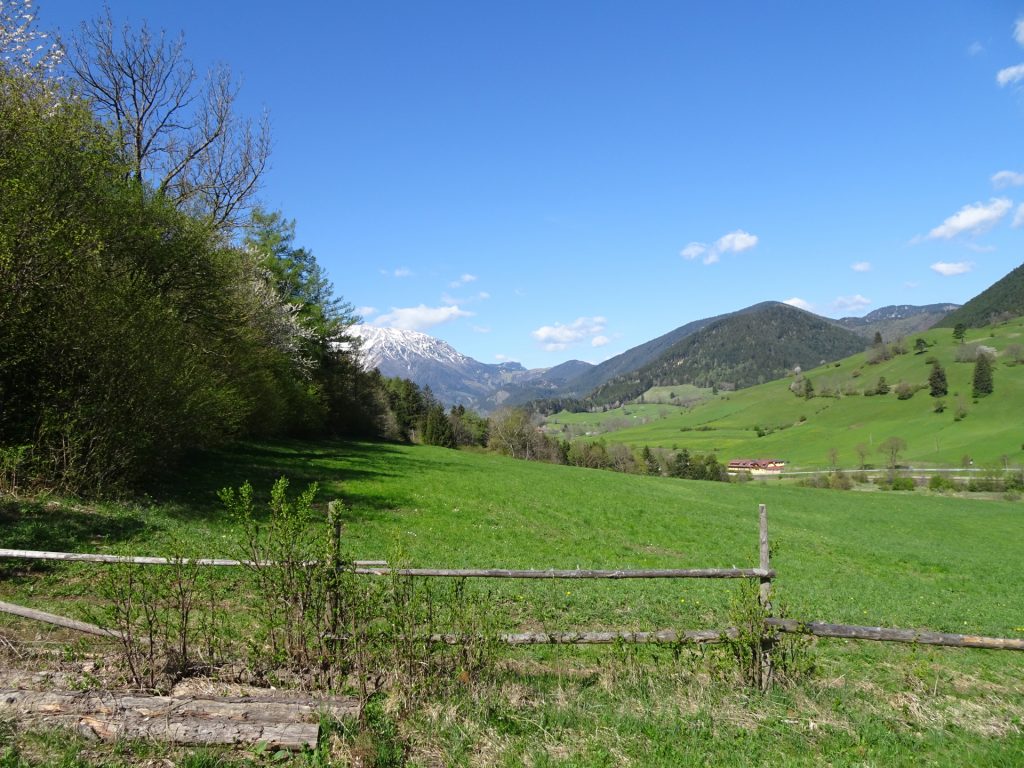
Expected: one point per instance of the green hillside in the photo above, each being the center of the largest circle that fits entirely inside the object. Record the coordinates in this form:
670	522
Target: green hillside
904	560
1004	298
748	347
841	416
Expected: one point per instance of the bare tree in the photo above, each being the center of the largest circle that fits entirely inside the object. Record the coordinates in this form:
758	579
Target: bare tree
180	137
892	447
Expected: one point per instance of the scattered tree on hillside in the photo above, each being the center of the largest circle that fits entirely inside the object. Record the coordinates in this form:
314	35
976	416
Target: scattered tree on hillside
510	432
920	345
680	466
982	382
437	430
650	463
877	342
891	448
179	134
959	332
937	381
882	387
833	458
905	390
863	451
808	389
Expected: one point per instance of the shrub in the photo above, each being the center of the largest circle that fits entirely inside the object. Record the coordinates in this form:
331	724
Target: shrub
903	484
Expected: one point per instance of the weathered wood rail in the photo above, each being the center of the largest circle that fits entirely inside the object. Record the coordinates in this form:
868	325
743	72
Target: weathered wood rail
763	573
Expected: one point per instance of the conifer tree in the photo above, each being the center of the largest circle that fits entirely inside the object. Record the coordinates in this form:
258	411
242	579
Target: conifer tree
937	381
982	376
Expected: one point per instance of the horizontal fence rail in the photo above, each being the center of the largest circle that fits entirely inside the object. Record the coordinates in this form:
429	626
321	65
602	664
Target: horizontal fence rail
82	557
504	573
891	635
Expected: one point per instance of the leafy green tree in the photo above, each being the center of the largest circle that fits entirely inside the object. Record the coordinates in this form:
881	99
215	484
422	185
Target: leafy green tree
877	341
959	332
982	381
882	388
808	389
920	345
937	381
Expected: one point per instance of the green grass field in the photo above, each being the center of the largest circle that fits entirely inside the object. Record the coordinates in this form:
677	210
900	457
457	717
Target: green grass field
906	560
803	431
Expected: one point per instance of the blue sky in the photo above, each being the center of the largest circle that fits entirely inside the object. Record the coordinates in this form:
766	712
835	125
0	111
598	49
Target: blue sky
541	181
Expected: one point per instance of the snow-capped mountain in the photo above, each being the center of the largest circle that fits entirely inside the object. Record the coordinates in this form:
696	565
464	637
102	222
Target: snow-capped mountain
453	377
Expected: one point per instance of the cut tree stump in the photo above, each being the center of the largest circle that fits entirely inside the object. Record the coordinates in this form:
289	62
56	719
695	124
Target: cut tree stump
281	724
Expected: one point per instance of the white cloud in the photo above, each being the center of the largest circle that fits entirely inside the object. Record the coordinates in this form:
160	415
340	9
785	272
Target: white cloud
693	250
420	318
1018	217
851	303
554	338
1005	179
1010	74
400	272
980	248
861	266
366	311
463	280
972	219
501	358
733	242
483	295
599	341
948	269
1018	30
975	49
481	329
799	304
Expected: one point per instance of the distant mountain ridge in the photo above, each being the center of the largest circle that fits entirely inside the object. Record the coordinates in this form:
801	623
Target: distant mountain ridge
731	350
897	320
455	378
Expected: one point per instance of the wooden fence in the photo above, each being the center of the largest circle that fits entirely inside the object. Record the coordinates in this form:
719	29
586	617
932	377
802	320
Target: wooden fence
763	573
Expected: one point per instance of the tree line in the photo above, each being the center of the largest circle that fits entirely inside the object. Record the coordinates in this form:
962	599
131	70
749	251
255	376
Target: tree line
149	305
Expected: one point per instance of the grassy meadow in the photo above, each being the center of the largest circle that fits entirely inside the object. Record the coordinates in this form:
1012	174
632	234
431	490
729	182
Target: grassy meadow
803	431
892	559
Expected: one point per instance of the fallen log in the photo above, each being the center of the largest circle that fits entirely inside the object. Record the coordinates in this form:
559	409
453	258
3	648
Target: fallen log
281	724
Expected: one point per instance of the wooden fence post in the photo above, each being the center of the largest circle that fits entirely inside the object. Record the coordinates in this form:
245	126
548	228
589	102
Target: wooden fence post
335	566
765	600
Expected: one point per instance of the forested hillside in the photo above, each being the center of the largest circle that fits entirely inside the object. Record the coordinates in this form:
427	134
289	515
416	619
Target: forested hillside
1000	301
755	345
